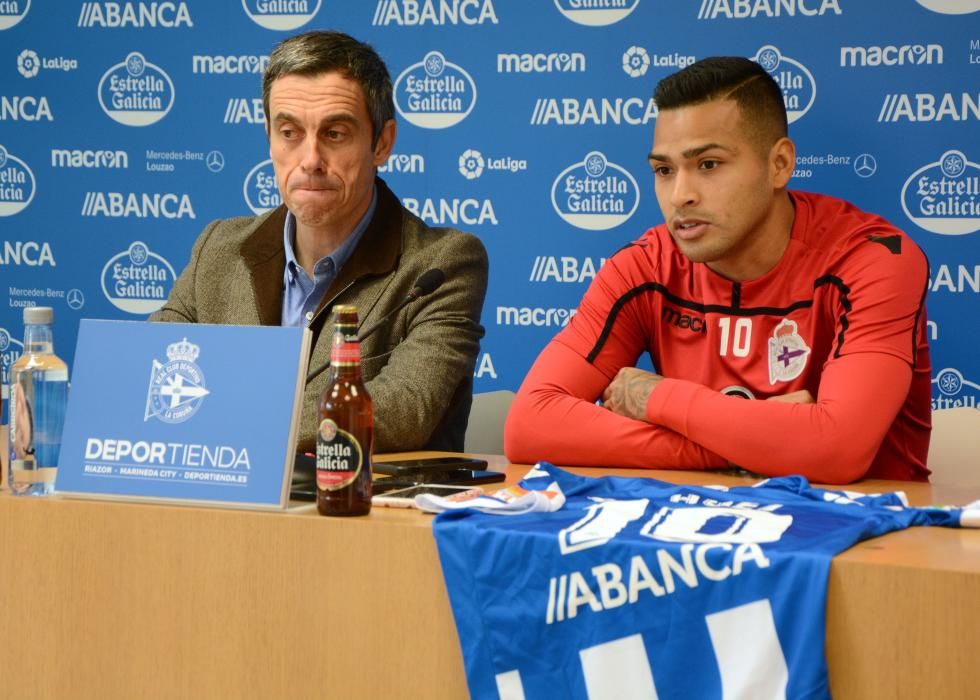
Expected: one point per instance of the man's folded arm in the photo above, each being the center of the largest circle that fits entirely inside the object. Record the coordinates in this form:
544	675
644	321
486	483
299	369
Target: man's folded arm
832	441
554	417
417	383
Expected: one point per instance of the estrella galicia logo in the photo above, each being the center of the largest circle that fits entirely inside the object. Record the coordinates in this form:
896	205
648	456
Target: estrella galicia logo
260	189
954	390
595	194
596	14
10	351
176	388
944	197
13	12
279	15
136	92
434	93
17	184
137	280
795	81
951	7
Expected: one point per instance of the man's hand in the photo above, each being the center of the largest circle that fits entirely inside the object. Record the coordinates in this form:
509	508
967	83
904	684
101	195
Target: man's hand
627	394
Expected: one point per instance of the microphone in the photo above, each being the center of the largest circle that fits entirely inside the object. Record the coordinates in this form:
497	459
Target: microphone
428	282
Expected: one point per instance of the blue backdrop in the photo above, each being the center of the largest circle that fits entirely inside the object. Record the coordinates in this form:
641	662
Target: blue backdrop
125	127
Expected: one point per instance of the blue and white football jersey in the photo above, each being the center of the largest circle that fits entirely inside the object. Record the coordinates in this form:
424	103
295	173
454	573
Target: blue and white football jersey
639	588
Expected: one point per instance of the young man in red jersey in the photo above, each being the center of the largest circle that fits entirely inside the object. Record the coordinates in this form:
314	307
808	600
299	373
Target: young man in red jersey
802	303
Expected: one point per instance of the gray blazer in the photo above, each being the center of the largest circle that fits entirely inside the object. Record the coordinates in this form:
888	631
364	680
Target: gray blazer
418	366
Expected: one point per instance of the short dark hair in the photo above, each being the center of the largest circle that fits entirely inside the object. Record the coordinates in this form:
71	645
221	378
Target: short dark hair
757	95
313	53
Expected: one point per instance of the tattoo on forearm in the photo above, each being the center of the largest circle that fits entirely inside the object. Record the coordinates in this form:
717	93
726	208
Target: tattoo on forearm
637	392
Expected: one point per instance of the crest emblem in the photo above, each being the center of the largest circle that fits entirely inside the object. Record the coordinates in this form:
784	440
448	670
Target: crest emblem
176	388
788	352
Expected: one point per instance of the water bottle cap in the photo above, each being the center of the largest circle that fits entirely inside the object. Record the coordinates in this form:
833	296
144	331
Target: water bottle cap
38	314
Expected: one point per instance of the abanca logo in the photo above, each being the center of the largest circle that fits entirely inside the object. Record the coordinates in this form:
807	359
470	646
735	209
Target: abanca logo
951	7
17	184
796	82
416	13
280	14
12	12
136	92
595	194
434	93
115	15
137	280
596	13
944	197
260	189
750	9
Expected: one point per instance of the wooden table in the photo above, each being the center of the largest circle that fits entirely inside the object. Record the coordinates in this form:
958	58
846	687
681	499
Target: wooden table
118	600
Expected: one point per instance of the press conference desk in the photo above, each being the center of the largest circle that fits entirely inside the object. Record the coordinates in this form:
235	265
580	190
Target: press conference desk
117	600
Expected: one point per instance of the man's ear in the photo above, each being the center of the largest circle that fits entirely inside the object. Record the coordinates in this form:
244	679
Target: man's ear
782	162
386	141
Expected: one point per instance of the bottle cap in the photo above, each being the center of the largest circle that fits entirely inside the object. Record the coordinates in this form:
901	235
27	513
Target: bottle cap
38	314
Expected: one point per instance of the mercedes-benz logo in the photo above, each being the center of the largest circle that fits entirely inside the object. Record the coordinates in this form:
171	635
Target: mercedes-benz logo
215	161
75	299
865	165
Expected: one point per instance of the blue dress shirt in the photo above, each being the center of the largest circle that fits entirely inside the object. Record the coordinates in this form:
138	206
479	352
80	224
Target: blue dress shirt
301	295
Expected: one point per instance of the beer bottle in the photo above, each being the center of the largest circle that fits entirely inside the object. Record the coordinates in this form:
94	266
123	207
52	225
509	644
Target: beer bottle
345	436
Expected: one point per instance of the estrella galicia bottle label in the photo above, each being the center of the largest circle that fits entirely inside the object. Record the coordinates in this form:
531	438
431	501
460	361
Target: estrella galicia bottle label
339	457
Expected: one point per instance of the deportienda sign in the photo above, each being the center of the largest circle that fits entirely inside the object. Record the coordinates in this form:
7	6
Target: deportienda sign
596	13
137	280
434	93
17	184
260	189
795	81
944	197
595	194
136	92
282	15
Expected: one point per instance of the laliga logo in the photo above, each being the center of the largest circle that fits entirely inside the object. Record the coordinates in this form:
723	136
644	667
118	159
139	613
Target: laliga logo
946	7
434	94
137	280
795	81
944	197
260	189
595	194
16	184
471	164
11	13
136	92
10	350
28	63
280	14
596	14
176	388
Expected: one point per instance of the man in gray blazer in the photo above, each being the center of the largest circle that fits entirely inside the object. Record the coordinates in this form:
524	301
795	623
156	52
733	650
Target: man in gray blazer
342	237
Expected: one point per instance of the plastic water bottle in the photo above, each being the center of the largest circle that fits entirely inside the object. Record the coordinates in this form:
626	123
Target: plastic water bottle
38	395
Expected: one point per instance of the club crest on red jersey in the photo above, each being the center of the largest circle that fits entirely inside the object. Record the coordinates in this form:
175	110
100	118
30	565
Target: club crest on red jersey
788	352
